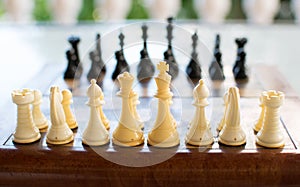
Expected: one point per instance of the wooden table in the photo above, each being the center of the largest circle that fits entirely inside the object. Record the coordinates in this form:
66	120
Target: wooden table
75	164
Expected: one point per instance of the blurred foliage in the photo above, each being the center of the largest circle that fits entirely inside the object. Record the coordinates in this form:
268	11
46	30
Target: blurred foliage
236	11
87	10
187	10
41	11
137	11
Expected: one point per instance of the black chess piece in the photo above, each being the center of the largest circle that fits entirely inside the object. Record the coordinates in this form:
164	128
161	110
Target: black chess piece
122	64
216	72
98	69
145	69
74	69
168	54
239	68
193	69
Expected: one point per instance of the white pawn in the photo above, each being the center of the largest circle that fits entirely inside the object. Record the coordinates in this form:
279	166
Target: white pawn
222	122
26	131
66	102
232	133
271	134
258	125
113	9
162	9
95	134
19	11
38	117
59	132
261	11
212	11
164	132
65	11
199	133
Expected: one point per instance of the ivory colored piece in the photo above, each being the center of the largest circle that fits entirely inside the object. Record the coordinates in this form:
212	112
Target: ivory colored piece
95	134
66	102
128	132
38	117
222	122
65	11
271	134
59	132
134	101
164	132
199	133
258	125
162	9
232	133
19	11
212	11
261	12
104	119
113	9
26	131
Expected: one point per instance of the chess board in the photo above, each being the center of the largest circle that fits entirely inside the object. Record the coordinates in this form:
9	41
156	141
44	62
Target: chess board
183	164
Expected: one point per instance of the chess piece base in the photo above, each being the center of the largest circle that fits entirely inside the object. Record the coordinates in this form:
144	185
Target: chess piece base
60	142
27	140
95	143
199	143
232	137
270	144
172	141
128	144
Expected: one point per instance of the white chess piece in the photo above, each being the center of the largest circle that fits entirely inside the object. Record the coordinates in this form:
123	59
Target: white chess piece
212	11
113	9
65	11
199	133
271	134
95	134
66	102
19	11
261	12
26	131
162	9
104	119
232	133
295	7
134	101
59	132
38	117
128	132
222	122
259	123
164	132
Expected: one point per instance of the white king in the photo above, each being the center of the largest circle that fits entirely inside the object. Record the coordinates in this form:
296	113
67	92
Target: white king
164	132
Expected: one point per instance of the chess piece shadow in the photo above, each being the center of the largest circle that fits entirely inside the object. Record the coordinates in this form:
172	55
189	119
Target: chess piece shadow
231	149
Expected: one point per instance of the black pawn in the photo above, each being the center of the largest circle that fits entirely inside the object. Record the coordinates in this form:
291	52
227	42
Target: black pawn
216	67
145	69
122	65
194	69
239	68
168	55
98	69
74	69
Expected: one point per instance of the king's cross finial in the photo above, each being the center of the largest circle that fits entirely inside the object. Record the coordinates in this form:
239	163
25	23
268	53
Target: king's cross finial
163	67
